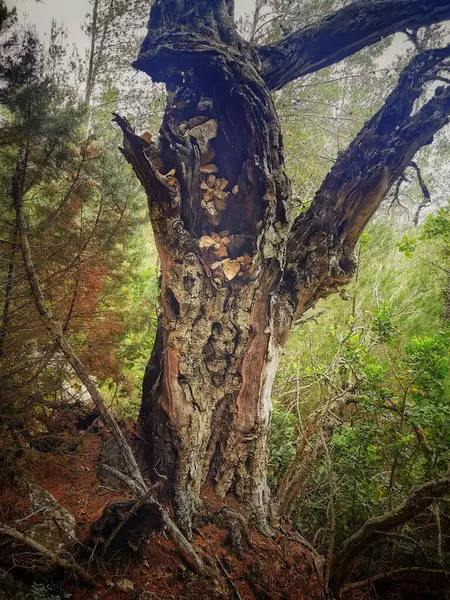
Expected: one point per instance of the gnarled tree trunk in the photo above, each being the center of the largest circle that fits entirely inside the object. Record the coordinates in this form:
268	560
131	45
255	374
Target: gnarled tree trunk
235	268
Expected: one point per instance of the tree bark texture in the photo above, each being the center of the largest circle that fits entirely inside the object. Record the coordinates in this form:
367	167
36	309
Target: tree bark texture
235	267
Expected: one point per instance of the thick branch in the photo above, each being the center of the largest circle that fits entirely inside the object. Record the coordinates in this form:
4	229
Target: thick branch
342	34
420	498
322	240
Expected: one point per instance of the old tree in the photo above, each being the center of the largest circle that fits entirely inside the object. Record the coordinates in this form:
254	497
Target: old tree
236	267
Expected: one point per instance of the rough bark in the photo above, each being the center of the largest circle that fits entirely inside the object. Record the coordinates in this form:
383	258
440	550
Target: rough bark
221	337
320	248
419	499
8	293
206	405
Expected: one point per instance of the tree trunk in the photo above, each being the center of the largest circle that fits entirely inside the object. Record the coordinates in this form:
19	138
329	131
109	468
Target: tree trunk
234	268
207	419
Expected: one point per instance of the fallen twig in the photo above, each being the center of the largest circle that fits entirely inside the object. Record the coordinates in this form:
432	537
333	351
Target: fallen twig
229	578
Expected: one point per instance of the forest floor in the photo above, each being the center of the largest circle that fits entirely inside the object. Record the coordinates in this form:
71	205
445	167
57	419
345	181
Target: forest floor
276	568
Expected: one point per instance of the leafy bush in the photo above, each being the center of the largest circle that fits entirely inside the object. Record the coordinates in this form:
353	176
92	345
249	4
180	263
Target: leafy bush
43	592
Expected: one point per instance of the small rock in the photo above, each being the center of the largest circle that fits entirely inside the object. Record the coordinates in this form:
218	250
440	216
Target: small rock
221	195
147	136
210	180
220	204
56	529
125	585
195	121
221	251
208	156
204	133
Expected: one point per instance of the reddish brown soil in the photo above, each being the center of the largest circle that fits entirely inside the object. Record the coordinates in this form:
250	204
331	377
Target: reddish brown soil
269	569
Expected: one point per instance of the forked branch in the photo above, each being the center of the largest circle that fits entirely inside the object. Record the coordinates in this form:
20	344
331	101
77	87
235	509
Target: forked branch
44	551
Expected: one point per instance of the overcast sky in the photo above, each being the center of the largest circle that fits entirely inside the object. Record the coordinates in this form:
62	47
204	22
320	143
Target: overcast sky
72	13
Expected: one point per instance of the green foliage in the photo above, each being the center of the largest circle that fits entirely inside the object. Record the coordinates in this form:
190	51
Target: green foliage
282	439
438	225
407	245
382	322
40	591
387	348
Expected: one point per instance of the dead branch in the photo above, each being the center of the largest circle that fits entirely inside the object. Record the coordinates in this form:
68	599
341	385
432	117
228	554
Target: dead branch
146	498
395	574
55	558
420	498
425	191
124	478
